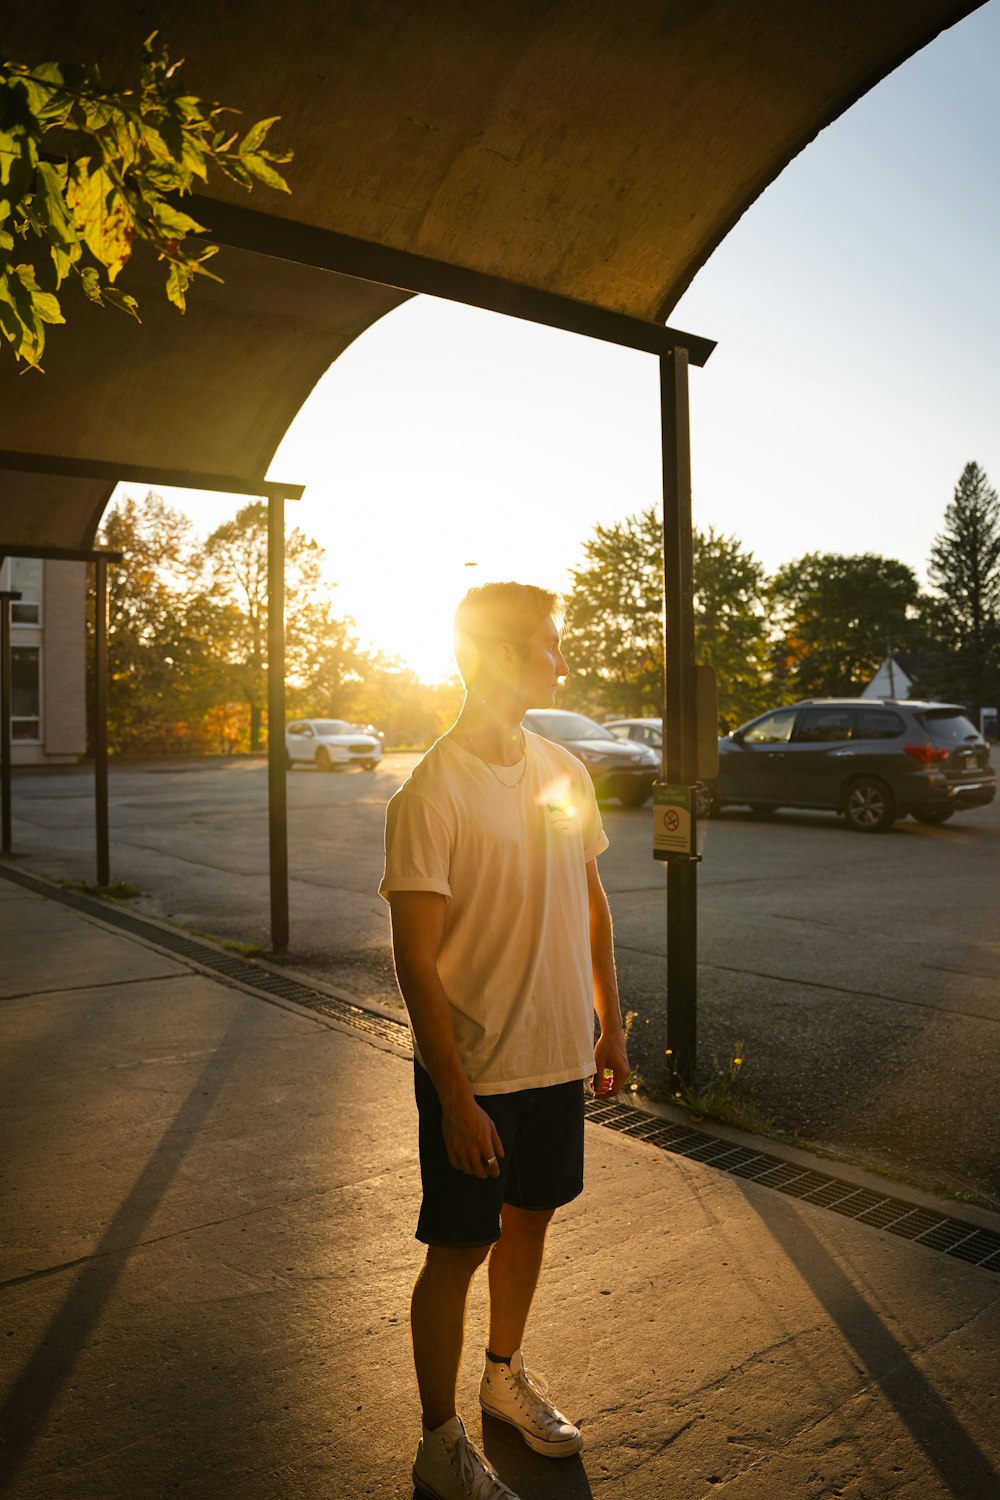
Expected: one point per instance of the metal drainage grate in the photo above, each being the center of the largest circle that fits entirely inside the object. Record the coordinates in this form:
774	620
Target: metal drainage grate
980	1247
968	1242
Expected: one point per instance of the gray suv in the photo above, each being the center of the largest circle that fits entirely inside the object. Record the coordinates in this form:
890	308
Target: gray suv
873	760
617	768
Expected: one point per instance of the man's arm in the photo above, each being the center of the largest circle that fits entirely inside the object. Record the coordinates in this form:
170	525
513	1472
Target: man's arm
470	1136
610	1049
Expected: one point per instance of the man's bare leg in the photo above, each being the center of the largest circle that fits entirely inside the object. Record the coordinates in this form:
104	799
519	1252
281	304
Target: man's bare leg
515	1265
437	1323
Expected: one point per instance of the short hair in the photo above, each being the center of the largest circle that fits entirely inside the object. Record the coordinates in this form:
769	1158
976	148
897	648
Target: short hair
494	613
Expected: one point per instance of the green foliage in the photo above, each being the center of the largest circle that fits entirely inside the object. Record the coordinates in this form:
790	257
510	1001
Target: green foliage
730	623
613	627
86	171
187	641
833	617
232	604
963	615
613	636
160	668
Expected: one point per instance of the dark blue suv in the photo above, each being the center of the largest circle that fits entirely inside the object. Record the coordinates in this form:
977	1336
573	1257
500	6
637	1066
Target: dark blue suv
873	760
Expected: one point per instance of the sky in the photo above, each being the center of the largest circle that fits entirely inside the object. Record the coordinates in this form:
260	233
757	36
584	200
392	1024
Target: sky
857	311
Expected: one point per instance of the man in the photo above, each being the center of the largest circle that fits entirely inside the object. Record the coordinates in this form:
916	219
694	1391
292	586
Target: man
503	950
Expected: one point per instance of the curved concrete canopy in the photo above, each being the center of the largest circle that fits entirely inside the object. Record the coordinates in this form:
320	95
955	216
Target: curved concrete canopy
594	149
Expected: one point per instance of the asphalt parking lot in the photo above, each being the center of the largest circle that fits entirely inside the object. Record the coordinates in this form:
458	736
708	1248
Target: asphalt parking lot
858	975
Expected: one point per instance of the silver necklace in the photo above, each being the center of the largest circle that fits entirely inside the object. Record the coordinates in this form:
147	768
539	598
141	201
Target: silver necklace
511	786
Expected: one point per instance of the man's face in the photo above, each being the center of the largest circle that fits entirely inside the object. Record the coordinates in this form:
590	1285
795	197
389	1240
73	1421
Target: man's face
541	666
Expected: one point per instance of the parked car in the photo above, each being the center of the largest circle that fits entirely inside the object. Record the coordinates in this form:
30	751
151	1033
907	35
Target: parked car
644	731
649	732
617	768
330	744
872	760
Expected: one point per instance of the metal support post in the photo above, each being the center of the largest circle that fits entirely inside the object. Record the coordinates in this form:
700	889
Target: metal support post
679	723
99	729
277	800
7	596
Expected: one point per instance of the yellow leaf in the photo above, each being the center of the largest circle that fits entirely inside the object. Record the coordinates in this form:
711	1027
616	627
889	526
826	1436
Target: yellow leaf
101	215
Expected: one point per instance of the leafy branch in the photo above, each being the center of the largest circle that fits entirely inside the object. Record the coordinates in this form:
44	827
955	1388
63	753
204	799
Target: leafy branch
87	171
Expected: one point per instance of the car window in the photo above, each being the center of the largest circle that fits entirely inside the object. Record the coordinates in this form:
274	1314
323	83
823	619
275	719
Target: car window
332	726
621	731
295	729
878	724
562	726
948	725
772	729
820	725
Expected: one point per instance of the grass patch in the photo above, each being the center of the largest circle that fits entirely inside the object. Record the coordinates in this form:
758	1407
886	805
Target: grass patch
725	1097
119	890
247	950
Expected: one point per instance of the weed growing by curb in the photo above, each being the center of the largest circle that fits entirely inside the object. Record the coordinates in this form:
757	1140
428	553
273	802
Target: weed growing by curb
119	890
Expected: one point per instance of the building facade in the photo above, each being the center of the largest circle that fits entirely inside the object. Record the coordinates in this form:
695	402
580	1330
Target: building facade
48	660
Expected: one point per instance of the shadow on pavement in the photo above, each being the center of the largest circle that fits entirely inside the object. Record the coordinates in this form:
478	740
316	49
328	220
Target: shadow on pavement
530	1475
960	1464
38	1387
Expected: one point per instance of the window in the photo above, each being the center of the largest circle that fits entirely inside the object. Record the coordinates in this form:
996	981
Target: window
948	726
25	698
773	729
878	724
26	577
820	725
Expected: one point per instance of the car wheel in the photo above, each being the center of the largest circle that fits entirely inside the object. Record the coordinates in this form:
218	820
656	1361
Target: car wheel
934	814
367	765
868	806
322	759
634	795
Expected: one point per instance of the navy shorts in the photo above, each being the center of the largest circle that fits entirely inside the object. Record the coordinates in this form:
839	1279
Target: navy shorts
541	1168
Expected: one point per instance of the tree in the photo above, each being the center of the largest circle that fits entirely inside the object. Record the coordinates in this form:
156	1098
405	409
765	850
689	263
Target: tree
833	616
963	616
160	673
613	634
235	598
85	172
730	623
327	669
613	630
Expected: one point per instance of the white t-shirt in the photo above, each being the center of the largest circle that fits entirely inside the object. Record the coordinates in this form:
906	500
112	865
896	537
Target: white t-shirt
515	952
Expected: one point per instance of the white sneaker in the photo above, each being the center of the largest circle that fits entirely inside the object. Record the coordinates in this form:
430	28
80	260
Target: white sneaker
517	1396
449	1467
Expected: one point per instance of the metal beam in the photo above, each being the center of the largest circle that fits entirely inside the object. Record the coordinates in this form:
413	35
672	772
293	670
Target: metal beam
7	596
679	725
277	789
304	244
58	554
100	724
118	472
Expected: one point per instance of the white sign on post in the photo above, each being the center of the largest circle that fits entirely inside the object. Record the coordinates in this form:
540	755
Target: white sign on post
673	825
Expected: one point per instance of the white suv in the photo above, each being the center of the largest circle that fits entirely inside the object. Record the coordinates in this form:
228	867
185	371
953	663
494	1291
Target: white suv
331	744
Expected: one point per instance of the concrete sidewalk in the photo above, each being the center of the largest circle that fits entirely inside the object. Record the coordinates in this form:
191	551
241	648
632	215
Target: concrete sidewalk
208	1201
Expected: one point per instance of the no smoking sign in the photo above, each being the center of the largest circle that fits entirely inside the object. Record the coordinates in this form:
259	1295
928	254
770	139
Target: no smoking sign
672	822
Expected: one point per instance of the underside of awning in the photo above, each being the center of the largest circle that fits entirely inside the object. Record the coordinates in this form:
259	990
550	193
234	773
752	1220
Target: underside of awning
571	162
